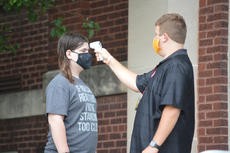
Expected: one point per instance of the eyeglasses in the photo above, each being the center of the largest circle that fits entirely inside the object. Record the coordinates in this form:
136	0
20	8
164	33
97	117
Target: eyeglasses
83	50
75	52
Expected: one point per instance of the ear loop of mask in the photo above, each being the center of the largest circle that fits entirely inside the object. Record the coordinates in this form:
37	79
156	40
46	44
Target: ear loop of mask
156	46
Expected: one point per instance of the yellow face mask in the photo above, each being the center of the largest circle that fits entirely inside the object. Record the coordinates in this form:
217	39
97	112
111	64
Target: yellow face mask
156	46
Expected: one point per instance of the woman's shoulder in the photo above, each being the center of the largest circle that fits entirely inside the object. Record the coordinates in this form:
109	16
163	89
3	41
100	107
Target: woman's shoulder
59	81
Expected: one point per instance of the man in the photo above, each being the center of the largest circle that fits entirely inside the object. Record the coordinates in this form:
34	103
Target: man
164	121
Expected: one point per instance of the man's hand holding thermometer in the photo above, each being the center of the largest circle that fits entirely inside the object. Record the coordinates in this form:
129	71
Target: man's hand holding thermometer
96	45
120	70
101	53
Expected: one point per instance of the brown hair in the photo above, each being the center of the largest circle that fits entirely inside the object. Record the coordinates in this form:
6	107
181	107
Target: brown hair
174	25
69	41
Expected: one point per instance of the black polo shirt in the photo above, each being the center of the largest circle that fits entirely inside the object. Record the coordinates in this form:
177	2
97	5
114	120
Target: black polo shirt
170	83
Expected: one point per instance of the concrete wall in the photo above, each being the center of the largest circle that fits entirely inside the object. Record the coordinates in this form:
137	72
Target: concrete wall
100	79
141	57
21	104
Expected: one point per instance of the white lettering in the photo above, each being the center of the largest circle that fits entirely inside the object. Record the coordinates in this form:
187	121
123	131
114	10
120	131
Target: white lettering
83	97
81	88
93	126
84	126
89	116
89	107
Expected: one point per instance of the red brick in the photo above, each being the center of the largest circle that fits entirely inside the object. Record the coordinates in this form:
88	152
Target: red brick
202	3
202	19
205	90
217	16
206	58
221	8
205	123
221	122
208	73
217	146
217	114
213	2
217	49
206	26
206	10
212	72
216	80
220	89
221	139
206	139
201	99
201	115
204	107
201	131
217	131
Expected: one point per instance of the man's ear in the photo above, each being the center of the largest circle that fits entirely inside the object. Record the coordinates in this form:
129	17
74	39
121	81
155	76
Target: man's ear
165	37
68	54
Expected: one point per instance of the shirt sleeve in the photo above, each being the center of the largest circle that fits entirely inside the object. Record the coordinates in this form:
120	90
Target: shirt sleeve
174	87
57	99
142	81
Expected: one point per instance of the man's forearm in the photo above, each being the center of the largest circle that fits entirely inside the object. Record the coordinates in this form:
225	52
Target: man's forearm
126	76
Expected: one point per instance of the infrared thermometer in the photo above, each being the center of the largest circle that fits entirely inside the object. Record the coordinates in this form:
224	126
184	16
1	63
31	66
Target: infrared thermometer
97	46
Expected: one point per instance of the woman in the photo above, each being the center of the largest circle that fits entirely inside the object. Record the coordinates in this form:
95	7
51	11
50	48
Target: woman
70	104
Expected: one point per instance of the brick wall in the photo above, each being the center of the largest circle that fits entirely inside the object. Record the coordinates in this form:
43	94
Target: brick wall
29	63
113	18
24	135
28	135
213	75
37	52
37	55
112	121
111	15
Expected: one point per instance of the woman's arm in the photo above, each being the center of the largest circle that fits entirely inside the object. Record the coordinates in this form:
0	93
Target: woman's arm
58	132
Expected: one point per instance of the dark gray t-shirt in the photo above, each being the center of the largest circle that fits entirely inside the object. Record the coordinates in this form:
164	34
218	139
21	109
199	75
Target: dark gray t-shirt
78	104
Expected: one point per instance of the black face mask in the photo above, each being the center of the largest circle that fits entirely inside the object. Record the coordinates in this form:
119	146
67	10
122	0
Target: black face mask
84	60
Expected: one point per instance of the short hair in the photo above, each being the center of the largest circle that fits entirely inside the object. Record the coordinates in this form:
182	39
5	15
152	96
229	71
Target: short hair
174	25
